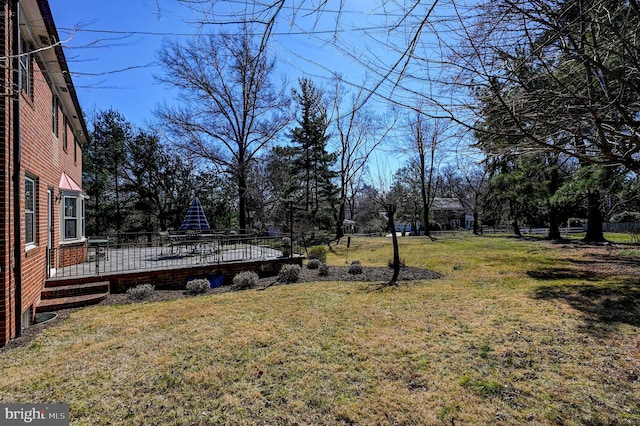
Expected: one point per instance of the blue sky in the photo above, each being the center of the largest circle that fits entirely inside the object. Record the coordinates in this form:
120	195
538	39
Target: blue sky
102	39
98	46
111	48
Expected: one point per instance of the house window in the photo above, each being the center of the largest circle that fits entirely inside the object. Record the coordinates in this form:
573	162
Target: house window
26	70
73	217
65	141
30	210
54	116
75	149
70	218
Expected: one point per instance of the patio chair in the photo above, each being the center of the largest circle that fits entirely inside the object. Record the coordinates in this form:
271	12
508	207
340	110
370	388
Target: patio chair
164	241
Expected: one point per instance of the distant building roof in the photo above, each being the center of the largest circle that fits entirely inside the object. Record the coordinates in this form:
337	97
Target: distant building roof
447	204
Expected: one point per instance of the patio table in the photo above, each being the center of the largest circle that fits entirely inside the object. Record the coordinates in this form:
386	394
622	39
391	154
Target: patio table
100	245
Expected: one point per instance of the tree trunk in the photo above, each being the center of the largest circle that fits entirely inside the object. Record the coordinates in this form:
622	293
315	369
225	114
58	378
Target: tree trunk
425	205
340	220
118	216
391	211
242	202
594	220
554	225
515	225
516	228
475	222
554	214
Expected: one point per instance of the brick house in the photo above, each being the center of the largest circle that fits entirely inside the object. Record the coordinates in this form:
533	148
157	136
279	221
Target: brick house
41	133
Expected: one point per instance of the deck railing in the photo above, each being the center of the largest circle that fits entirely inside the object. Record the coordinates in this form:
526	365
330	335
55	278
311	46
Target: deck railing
150	251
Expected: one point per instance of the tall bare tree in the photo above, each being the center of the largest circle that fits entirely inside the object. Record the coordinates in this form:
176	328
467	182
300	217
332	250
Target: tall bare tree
469	181
422	145
359	132
229	109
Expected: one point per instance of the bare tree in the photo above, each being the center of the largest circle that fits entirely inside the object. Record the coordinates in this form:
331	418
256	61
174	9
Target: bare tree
359	132
547	67
229	110
390	199
422	146
469	182
557	76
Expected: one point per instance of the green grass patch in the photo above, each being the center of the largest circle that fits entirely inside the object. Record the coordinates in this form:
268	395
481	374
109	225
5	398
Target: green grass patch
516	333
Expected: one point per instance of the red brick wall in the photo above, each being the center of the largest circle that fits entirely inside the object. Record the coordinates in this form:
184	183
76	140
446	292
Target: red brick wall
177	278
41	162
71	255
43	159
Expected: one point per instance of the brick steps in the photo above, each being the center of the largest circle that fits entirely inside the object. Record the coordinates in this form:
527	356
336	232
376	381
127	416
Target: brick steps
55	297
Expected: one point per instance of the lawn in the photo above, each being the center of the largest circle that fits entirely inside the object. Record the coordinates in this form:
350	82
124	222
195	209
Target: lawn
517	332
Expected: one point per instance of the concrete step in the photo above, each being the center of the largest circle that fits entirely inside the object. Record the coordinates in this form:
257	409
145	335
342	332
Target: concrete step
56	304
61	295
53	291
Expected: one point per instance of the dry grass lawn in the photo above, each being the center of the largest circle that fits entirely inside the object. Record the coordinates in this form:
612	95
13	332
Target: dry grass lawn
517	332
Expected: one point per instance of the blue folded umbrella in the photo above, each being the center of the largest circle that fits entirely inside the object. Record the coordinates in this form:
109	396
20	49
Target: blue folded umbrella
195	217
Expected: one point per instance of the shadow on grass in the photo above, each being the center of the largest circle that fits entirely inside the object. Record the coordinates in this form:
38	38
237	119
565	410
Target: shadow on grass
607	290
629	262
553	274
603	305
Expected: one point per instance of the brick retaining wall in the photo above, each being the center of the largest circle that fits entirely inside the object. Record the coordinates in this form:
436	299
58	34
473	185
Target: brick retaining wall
176	279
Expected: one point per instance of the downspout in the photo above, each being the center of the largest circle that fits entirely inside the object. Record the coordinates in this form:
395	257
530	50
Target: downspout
17	216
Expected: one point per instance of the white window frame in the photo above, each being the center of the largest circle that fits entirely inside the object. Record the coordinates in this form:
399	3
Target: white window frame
78	219
30	210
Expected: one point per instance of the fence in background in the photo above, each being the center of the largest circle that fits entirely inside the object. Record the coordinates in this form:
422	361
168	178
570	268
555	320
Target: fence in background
622	227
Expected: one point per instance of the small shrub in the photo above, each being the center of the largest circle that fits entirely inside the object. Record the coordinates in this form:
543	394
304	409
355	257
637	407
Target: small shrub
140	292
245	280
198	286
289	273
323	270
318	252
314	263
355	268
